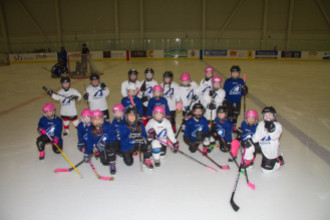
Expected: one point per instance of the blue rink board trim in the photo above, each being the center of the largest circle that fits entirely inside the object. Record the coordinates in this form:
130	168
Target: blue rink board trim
309	142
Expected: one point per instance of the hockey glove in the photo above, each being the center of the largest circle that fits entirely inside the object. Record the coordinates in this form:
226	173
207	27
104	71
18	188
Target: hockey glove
152	133
245	89
145	99
194	98
212	93
86	96
73	97
270	126
49	92
42	131
103	86
55	140
212	106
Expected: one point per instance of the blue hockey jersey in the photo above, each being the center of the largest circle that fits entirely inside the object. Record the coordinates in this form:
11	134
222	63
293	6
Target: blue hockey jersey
153	102
248	130
224	129
82	132
107	137
234	91
126	143
53	127
137	101
193	126
115	125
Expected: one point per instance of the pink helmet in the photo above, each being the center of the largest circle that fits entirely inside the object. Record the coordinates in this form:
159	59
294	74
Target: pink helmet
118	107
217	79
159	108
49	107
86	112
251	113
96	113
157	88
208	69
185	77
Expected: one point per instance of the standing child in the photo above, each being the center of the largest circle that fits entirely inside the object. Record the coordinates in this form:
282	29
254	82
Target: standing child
213	98
206	83
82	130
137	103
67	97
235	88
132	79
133	138
222	129
170	93
49	126
197	129
157	100
267	142
118	111
145	93
99	138
160	127
96	94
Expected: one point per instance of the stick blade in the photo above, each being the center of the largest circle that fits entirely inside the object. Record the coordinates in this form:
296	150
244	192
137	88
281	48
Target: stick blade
225	167
233	204
107	178
251	185
61	170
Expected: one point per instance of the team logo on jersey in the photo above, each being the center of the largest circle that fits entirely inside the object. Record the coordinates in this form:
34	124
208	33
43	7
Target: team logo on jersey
265	140
103	139
236	90
51	131
190	94
162	134
206	88
148	90
66	101
98	94
221	132
169	92
200	128
85	136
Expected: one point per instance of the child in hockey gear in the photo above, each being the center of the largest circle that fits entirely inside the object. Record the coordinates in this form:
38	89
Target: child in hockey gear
133	138
49	126
62	57
267	137
137	103
67	97
187	93
235	88
132	79
197	129
213	98
100	138
206	83
160	128
248	126
145	93
96	94
118	111
158	100
83	129
170	93
222	129
58	69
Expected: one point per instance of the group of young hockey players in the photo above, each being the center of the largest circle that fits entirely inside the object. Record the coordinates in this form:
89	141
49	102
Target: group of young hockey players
144	122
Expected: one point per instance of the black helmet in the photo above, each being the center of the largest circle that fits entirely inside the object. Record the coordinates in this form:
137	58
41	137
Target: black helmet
65	79
132	72
94	76
168	74
149	70
131	110
198	106
235	69
269	109
222	109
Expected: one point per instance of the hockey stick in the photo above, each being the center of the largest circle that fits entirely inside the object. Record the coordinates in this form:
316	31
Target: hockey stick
184	119
244	95
168	144
63	170
64	156
225	167
232	203
140	87
98	175
44	88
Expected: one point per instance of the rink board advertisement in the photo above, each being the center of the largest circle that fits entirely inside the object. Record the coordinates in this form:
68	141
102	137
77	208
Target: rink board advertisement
266	54
215	53
175	53
291	54
138	53
155	53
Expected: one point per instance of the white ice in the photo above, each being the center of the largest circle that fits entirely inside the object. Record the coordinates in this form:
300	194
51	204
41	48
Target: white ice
180	188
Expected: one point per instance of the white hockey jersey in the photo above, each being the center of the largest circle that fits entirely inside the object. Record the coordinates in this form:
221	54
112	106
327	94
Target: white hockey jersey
97	97
148	92
163	130
68	107
218	99
171	95
125	84
186	93
269	142
205	86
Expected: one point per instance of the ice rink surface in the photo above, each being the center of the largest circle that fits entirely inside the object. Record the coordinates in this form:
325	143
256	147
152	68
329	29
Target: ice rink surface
180	188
